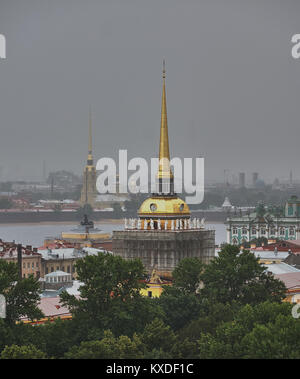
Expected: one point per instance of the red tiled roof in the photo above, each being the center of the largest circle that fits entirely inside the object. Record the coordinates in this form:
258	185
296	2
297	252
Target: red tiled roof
291	279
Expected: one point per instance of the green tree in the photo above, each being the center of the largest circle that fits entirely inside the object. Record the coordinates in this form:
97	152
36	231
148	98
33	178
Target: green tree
276	340
158	336
252	332
238	276
187	274
22	352
108	347
5	203
210	317
110	293
22	295
178	307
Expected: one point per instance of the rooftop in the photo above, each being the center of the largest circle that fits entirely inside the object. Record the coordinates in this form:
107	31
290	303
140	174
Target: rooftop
57	273
291	280
281	268
267	254
68	253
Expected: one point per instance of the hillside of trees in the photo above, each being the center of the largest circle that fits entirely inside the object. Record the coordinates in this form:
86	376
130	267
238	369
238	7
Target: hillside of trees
229	308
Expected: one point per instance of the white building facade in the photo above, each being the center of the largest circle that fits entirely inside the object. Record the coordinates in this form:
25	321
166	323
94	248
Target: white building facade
264	222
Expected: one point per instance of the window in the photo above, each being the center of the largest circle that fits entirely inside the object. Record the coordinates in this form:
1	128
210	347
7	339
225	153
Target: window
24	265
47	271
281	231
273	231
37	264
28	265
149	293
234	231
32	265
263	231
292	231
244	231
52	269
68	269
253	230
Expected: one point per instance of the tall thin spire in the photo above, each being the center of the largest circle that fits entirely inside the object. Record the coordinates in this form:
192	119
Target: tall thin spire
88	191
90	156
90	132
164	170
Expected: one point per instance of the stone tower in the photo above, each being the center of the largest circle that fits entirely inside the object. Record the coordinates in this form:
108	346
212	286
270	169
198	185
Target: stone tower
164	232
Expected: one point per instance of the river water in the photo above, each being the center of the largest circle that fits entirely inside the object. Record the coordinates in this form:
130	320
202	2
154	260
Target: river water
34	234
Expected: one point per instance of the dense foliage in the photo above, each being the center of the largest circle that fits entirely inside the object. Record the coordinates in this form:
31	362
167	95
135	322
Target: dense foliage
229	308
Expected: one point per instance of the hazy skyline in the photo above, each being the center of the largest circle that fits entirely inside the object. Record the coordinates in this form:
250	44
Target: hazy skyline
232	85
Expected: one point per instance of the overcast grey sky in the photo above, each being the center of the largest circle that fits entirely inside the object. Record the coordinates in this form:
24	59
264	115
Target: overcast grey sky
232	85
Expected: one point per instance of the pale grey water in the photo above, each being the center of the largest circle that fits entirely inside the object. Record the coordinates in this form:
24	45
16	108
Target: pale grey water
34	234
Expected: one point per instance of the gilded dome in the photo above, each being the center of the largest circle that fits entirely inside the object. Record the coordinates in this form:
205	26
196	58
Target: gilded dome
164	206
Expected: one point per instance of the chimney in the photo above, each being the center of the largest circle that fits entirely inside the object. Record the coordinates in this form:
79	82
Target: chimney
19	250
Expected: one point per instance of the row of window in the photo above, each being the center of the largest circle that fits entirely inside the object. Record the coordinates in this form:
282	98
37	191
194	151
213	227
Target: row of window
36	274
263	231
59	279
32	264
61	269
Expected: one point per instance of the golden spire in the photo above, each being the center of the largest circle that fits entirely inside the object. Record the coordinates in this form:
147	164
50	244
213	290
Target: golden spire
164	170
90	132
90	156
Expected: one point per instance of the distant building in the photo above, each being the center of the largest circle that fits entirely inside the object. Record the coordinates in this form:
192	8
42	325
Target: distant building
88	191
30	187
63	180
85	234
227	205
292	282
63	259
31	259
89	194
56	280
265	222
242	180
254	178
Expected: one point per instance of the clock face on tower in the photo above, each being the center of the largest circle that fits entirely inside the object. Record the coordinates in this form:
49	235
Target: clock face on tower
153	207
